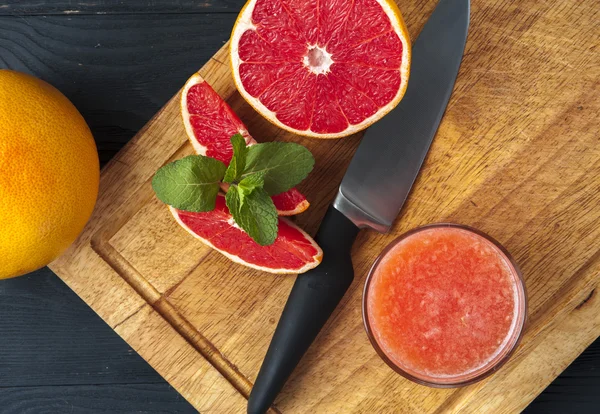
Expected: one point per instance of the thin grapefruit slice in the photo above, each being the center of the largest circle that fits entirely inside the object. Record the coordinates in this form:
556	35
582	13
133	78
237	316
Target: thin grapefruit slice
294	251
321	68
210	123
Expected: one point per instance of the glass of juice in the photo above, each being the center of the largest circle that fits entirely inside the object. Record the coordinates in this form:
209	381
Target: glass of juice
444	305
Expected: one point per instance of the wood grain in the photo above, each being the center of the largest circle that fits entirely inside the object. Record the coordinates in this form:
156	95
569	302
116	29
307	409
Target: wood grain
111	7
517	155
575	389
87	399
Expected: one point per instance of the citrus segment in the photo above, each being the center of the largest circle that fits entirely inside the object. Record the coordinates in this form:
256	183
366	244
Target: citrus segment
324	68
294	251
290	203
210	123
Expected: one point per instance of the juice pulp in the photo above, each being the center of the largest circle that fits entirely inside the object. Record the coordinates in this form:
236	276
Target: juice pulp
444	304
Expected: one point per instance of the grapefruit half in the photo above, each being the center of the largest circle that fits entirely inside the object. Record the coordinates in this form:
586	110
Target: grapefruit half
294	251
210	123
321	68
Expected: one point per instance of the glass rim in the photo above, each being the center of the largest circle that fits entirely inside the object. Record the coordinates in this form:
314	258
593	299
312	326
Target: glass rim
494	364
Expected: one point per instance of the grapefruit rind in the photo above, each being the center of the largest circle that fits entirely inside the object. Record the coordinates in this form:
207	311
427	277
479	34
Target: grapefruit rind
300	207
310	265
244	23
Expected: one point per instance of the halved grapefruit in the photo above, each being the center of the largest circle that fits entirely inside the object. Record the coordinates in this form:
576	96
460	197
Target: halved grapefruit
294	251
210	123
321	68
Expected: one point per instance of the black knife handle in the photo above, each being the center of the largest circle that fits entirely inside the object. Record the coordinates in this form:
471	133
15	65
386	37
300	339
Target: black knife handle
313	298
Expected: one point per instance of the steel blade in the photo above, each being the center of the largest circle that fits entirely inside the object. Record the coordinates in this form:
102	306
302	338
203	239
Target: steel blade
390	155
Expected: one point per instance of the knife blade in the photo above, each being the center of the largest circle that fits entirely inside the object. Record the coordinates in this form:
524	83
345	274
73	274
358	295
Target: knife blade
388	159
373	190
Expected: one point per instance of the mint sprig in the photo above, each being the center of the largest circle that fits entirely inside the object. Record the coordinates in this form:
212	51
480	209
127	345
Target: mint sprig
254	174
191	183
284	164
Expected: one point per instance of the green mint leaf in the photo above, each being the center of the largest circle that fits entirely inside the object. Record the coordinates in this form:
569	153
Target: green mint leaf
249	184
257	216
238	162
284	164
191	183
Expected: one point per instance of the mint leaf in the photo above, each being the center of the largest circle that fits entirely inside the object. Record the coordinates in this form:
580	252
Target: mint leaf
238	162
190	184
257	216
284	164
249	184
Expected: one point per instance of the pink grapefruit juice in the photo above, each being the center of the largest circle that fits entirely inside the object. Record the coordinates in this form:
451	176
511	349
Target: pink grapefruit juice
444	305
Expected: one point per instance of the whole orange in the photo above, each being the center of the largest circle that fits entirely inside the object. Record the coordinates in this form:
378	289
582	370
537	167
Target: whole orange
49	173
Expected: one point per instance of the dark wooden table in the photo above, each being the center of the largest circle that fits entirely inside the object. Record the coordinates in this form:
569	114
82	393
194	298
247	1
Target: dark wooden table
119	62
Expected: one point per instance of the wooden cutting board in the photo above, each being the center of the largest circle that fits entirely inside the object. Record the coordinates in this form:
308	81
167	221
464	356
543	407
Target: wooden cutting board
517	155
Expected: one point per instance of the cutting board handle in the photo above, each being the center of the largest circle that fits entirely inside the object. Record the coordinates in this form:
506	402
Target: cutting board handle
312	300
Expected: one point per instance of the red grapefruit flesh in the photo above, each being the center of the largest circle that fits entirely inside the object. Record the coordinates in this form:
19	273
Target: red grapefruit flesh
321	68
210	123
290	203
294	251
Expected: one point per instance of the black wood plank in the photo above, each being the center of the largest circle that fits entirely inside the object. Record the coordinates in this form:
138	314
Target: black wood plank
82	399
83	7
118	70
49	336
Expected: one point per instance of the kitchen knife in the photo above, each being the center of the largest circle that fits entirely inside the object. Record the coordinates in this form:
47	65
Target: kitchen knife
371	195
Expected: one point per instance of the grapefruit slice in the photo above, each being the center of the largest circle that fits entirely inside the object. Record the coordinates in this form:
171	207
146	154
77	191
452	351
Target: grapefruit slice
321	68
210	123
294	251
